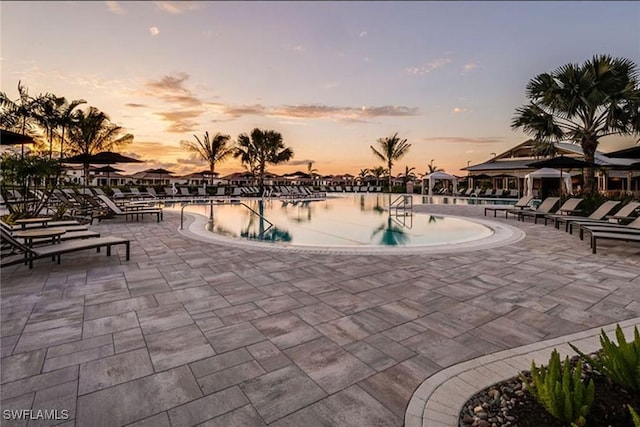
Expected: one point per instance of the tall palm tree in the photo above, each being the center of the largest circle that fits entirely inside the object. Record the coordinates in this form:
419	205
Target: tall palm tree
389	150
18	115
262	147
66	118
47	114
93	132
211	150
583	103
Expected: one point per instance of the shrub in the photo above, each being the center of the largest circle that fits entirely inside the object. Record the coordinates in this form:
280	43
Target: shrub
620	363
560	390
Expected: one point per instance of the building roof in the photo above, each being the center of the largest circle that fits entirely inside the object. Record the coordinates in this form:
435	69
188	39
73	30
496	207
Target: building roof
520	156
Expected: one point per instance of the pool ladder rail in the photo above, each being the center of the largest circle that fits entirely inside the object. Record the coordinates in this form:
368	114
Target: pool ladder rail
220	202
402	205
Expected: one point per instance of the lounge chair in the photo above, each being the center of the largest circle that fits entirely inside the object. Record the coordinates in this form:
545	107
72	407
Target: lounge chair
130	211
184	191
600	235
24	254
202	192
545	207
523	203
568	206
602	211
633	227
624	215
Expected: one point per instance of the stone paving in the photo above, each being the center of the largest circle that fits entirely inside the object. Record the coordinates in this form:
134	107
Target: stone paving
205	333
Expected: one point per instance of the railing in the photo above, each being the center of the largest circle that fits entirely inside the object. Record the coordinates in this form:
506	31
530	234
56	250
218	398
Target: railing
213	203
403	203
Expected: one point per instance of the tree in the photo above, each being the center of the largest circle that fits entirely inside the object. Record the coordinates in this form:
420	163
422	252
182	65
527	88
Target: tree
66	118
378	172
583	103
93	132
389	150
407	176
431	168
312	171
18	115
262	147
47	114
363	174
211	150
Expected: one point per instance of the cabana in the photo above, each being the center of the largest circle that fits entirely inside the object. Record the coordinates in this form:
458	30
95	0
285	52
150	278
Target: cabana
431	179
546	173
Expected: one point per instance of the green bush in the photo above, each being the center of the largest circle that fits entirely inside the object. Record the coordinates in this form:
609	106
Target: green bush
560	390
620	363
634	416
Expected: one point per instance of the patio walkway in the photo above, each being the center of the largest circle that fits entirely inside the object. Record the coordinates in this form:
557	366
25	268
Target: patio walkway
193	333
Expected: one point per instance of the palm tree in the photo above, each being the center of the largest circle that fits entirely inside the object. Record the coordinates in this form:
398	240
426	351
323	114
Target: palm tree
17	115
211	150
47	114
66	118
391	149
312	171
93	132
363	174
583	103
407	176
261	148
378	171
431	168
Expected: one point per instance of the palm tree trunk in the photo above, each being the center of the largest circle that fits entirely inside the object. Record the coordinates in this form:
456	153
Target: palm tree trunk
212	168
590	184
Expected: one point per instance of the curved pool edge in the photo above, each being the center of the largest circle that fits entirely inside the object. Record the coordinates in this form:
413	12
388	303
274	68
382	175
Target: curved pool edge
503	235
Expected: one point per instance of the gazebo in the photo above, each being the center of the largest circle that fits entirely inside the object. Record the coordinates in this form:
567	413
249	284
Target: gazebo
437	176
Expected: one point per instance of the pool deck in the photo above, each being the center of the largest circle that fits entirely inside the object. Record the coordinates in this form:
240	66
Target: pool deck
203	333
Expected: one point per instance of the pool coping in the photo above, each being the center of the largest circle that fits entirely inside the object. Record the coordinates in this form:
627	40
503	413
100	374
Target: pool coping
438	401
503	234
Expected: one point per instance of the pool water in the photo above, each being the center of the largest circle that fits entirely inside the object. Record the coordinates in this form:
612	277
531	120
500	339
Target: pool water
352	220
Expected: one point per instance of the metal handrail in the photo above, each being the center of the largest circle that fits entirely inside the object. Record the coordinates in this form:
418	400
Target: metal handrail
213	203
404	202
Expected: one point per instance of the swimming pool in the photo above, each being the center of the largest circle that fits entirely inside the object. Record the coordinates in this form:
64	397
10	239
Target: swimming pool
345	221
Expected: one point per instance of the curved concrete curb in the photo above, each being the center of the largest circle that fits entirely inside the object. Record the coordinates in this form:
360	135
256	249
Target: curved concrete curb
438	400
503	234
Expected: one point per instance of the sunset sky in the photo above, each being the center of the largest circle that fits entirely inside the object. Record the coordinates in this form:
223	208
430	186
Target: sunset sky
331	77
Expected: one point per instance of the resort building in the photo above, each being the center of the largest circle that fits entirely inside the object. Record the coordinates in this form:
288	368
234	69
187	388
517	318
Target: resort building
507	170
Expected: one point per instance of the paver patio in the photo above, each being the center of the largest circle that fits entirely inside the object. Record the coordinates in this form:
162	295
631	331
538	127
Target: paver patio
206	333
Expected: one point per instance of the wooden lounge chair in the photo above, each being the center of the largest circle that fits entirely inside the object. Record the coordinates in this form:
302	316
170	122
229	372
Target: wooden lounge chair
568	206
545	207
130	211
24	254
523	203
602	211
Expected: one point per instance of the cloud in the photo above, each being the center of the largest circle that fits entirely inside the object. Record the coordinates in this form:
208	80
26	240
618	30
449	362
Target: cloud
459	110
429	66
154	31
470	66
297	48
362	34
341	113
244	110
467	140
134	105
300	162
115	7
180	121
178	7
192	161
171	90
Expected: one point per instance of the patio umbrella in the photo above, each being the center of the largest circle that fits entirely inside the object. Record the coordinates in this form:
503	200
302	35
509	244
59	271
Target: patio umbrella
160	171
560	162
12	138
